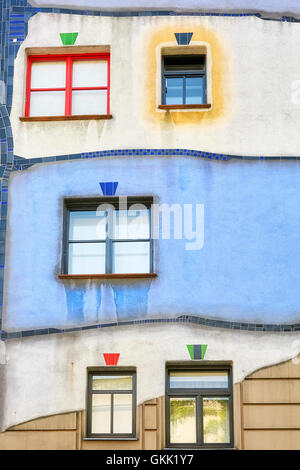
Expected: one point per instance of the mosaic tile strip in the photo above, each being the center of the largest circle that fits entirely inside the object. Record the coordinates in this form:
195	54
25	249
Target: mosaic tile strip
197	320
21	163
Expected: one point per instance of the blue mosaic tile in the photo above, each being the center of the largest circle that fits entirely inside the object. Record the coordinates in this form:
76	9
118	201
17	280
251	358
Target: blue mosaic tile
182	319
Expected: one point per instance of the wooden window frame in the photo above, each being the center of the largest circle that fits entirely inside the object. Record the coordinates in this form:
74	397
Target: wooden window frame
91	204
198	394
68	88
106	372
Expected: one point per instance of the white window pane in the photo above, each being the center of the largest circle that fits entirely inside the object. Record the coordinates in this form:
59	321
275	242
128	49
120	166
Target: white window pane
101	404
89	73
112	382
86	258
197	379
48	74
47	103
182	420
216	420
131	257
87	225
131	224
122	416
89	102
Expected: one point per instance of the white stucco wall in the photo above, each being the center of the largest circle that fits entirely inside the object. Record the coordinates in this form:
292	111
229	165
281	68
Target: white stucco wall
255	79
47	374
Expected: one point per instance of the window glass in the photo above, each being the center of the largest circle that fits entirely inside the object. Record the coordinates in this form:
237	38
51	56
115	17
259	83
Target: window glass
112	382
195	90
89	73
122	416
109	240
216	420
174	90
199	407
182	420
101	413
111	404
86	258
89	102
68	85
184	80
131	224
87	225
199	379
184	63
131	257
48	74
47	103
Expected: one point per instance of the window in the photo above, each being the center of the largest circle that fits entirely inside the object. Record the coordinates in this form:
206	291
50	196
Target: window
184	80
105	237
67	85
199	407
111	406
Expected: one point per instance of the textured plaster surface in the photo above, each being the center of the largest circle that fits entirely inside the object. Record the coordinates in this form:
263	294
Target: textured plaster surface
247	269
249	88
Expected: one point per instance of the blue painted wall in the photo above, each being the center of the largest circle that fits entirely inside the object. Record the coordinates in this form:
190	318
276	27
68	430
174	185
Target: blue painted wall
247	270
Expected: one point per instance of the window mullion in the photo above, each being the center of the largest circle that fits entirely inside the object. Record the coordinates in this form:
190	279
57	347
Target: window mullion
108	242
28	86
69	76
111	413
199	411
108	85
184	89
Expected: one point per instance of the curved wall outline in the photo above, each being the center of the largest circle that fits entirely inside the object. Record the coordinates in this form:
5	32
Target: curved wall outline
249	234
14	17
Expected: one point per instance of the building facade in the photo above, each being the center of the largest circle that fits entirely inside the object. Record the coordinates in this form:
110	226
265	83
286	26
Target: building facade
149	227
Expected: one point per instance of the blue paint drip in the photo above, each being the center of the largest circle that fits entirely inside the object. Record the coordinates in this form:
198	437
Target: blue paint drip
131	301
75	304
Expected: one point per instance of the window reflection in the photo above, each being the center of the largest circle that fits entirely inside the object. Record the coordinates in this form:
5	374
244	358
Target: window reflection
182	420
112	382
122	413
101	413
199	379
216	420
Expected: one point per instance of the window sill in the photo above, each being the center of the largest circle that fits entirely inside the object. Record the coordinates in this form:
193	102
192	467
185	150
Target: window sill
108	276
65	118
199	448
170	107
110	439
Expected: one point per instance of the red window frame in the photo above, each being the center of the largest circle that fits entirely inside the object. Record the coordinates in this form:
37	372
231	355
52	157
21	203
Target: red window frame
69	59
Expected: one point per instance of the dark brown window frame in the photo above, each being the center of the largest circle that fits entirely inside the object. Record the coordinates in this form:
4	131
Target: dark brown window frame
199	394
79	203
110	370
